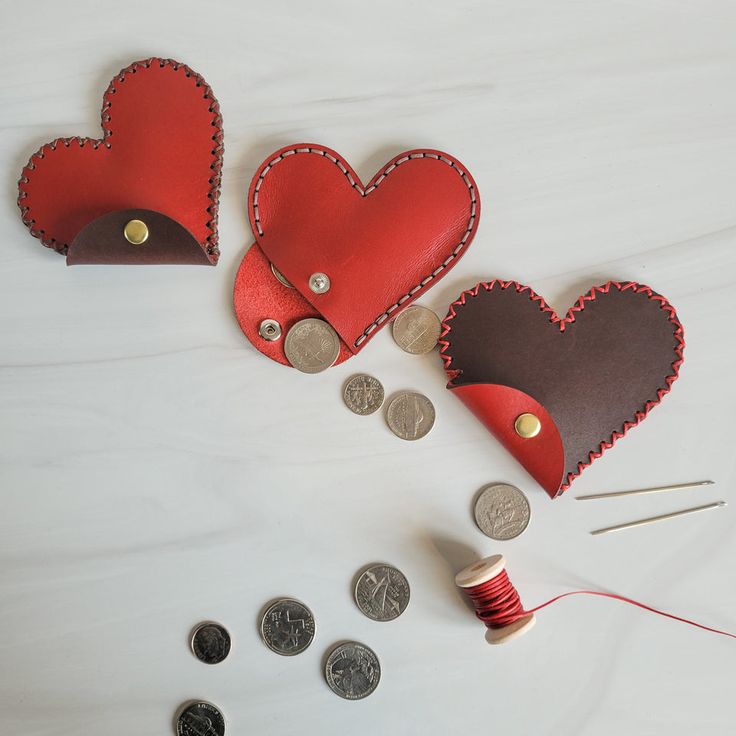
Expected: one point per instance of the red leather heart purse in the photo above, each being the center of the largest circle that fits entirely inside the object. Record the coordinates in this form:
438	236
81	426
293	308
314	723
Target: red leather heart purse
147	191
380	245
559	392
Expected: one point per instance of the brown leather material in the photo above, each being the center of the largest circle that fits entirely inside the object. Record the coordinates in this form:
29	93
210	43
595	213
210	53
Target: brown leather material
103	241
597	371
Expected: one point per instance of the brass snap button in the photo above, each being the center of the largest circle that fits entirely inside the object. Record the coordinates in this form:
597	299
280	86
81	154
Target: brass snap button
527	425
136	232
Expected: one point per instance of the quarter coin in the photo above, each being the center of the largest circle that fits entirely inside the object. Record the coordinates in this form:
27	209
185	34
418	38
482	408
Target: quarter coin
200	719
363	394
410	416
502	511
311	345
210	642
352	670
287	627
416	330
382	592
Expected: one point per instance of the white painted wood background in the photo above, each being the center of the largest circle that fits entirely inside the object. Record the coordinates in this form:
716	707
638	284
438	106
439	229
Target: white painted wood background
156	470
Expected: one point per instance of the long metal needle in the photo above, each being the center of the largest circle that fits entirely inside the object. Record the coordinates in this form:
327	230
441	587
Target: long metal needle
653	519
642	491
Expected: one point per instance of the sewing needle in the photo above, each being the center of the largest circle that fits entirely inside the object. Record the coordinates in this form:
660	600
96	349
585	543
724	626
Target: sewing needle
653	519
642	491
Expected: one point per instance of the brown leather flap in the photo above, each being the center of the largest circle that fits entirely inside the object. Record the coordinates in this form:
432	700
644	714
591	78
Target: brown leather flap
103	241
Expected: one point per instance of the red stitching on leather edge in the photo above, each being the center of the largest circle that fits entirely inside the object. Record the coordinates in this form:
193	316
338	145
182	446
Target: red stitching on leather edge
563	322
355	182
212	250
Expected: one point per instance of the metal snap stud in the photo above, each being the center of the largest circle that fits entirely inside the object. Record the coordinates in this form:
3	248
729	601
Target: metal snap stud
527	425
319	283
136	232
270	330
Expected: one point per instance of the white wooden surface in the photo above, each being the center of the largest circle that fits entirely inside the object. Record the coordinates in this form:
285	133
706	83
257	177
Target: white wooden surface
156	470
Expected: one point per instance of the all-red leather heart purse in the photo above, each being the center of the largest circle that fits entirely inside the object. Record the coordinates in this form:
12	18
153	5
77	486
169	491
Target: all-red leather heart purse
382	245
157	166
558	392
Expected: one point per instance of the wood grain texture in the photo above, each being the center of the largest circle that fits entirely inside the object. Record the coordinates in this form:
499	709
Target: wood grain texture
155	470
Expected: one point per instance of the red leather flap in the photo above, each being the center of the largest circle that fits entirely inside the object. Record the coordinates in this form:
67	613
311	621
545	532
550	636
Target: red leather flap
382	245
498	407
161	151
103	241
258	295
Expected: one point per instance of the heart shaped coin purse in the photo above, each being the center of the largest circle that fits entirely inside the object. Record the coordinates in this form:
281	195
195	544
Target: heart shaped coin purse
147	191
558	392
353	255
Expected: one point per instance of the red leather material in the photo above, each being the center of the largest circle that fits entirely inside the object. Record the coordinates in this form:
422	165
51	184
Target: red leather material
382	245
597	372
161	151
498	407
103	241
259	295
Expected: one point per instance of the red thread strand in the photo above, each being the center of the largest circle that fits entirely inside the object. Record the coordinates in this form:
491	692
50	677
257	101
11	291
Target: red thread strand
497	604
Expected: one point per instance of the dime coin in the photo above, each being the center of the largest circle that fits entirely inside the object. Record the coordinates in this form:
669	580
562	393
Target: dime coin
352	670
382	592
287	627
363	394
281	277
311	345
502	511
210	642
410	416
416	330
200	719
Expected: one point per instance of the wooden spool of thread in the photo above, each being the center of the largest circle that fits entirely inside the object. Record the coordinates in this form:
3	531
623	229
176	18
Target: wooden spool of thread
497	602
495	599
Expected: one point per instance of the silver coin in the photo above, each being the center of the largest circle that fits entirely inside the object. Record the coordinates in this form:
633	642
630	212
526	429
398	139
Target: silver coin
281	277
382	592
410	416
502	511
287	627
352	670
311	345
416	330
200	719
210	642
363	394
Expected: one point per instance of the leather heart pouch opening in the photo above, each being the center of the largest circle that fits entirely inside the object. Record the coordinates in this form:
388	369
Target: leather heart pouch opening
586	379
161	154
382	245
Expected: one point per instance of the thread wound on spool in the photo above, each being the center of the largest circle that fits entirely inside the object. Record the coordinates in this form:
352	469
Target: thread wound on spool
498	604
